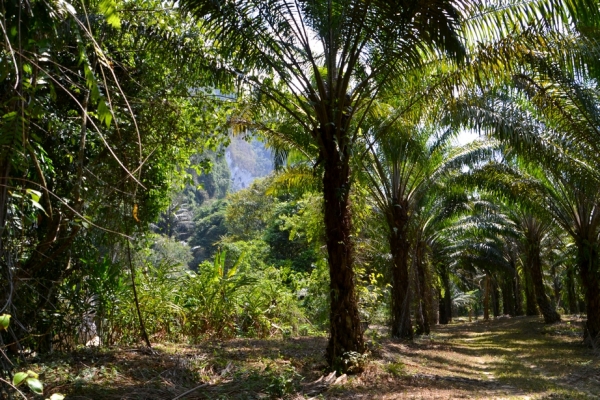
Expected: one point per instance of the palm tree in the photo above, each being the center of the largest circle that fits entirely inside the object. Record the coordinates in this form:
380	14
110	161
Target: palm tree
435	213
402	169
322	64
534	231
484	241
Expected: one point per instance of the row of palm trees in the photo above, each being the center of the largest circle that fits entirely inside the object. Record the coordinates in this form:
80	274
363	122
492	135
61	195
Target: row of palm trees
374	89
536	169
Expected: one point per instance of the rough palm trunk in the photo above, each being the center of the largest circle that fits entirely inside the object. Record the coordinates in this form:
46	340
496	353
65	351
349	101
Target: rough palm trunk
530	303
346	333
535	266
399	247
589	268
486	299
495	298
571	296
422	312
445	305
518	296
508	298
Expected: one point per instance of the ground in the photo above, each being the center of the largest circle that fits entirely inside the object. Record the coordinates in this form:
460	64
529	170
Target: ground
507	358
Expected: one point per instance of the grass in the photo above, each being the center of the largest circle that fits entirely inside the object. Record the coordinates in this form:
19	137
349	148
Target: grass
509	358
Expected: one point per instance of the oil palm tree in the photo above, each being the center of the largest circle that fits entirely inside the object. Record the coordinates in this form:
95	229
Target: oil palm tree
536	229
548	112
402	169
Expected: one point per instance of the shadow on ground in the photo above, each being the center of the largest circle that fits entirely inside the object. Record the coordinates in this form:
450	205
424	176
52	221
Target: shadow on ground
508	358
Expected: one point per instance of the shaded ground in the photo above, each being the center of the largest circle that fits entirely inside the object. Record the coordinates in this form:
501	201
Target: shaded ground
509	358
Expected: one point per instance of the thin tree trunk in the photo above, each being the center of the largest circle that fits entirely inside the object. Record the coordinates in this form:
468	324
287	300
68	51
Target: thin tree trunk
345	329
4	173
445	297
495	298
6	287
442	315
144	333
422	311
431	300
508	297
517	292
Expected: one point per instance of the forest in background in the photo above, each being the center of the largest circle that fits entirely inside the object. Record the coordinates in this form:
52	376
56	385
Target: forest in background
121	222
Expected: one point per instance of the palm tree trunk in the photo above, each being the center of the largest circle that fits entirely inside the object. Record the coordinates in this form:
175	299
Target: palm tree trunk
571	296
508	298
495	298
345	329
531	305
422	311
399	247
486	299
589	268
535	266
517	292
445	305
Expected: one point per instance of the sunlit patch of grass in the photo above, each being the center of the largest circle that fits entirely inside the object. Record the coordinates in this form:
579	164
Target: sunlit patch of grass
397	369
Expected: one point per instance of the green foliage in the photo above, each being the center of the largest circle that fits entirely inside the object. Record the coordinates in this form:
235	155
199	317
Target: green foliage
29	378
220	299
96	124
396	369
210	184
316	294
112	117
249	210
283	381
4	322
209	229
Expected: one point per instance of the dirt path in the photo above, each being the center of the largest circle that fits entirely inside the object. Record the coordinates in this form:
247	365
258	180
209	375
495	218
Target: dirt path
509	358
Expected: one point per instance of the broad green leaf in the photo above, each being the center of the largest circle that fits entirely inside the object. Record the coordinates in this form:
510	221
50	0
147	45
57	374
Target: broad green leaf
35	385
9	116
4	321
34	194
38	206
32	374
109	9
18	378
104	112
